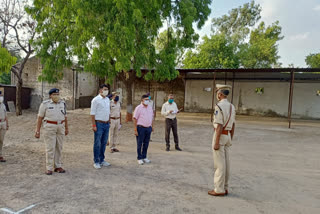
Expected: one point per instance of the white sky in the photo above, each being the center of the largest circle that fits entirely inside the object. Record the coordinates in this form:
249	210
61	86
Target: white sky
299	19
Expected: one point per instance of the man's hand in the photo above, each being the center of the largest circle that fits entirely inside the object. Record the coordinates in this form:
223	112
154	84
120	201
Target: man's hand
7	128
216	146
152	129
94	128
136	132
37	135
66	132
170	112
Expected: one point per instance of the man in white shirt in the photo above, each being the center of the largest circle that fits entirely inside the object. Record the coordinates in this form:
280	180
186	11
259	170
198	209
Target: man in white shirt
169	111
100	117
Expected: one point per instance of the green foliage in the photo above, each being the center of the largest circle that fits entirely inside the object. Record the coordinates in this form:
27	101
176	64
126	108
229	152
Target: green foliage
230	46
111	36
215	52
6	60
313	60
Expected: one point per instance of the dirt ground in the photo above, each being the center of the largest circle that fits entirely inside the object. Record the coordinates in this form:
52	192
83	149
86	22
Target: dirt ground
273	170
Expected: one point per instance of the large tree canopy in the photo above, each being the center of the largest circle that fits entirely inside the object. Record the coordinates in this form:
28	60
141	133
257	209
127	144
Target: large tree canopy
313	60
111	36
236	42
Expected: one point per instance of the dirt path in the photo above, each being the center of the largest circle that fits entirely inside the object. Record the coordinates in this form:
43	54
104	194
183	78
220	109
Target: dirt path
274	170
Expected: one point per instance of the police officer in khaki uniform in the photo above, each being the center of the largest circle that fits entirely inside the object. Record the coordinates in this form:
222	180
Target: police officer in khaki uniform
53	112
224	125
4	125
115	122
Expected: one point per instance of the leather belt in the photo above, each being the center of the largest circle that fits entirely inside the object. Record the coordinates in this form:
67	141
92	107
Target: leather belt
2	120
224	132
114	118
55	122
171	118
143	127
100	121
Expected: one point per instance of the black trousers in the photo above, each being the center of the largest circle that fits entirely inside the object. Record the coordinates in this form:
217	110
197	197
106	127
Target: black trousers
171	124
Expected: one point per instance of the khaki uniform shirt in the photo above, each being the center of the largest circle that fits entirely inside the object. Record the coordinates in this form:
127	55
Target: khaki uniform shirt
52	111
3	112
115	109
166	108
222	112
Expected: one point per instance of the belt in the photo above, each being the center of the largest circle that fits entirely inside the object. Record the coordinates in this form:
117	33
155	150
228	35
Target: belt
143	127
100	121
171	118
225	132
114	118
55	122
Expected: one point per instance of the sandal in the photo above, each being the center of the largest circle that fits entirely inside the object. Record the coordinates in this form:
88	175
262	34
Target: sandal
59	170
2	160
48	172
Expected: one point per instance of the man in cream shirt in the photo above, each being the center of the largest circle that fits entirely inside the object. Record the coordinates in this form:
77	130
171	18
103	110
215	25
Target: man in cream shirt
169	111
4	126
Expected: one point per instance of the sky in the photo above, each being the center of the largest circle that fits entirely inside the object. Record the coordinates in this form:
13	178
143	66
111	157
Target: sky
299	19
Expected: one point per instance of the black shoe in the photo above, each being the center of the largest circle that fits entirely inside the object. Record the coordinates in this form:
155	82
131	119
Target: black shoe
178	148
167	149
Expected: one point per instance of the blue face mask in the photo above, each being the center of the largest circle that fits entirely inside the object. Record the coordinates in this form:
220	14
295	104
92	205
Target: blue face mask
170	101
149	97
116	99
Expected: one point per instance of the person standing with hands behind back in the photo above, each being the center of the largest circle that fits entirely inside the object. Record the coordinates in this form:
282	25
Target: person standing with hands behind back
143	123
100	118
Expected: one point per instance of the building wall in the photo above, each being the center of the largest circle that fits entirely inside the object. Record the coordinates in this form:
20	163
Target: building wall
273	102
74	87
159	91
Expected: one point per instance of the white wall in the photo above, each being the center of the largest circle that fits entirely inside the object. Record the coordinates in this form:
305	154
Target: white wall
273	101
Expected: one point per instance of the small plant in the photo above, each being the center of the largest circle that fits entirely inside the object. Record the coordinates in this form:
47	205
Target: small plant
259	91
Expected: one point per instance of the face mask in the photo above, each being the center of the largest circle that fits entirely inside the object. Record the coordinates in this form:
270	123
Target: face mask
149	97
170	101
55	98
116	98
105	93
146	102
1	99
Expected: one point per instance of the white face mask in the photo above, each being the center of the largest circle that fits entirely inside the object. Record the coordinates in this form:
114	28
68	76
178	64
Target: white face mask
1	99
105	93
146	102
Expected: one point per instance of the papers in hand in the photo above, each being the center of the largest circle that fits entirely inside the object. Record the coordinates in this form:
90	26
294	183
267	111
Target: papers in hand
174	112
119	127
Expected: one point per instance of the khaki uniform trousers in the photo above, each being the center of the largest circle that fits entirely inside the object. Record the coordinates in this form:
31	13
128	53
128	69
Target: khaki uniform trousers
114	130
221	164
53	138
3	130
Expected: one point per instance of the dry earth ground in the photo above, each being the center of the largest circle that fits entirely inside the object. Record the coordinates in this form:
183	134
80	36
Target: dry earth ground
274	170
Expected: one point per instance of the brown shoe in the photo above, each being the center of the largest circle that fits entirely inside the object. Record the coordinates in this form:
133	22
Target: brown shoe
213	193
48	172
115	150
2	160
59	170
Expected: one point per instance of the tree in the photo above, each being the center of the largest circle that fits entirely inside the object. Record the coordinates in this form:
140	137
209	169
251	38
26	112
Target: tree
6	61
17	33
237	43
215	52
111	38
313	60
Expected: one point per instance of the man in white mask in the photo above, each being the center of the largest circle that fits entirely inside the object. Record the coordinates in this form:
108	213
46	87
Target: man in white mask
100	118
54	114
4	126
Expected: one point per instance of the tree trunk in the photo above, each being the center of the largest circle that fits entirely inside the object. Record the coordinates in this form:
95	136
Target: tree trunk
128	79
128	85
18	98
